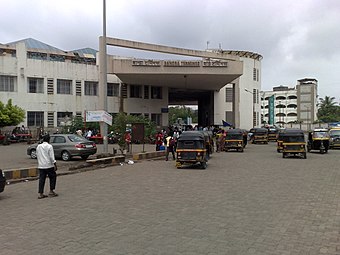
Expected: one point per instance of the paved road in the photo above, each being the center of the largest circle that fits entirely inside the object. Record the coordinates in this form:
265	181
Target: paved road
254	202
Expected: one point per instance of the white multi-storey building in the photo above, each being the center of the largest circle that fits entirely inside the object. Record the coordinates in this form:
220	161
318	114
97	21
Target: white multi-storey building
53	85
290	104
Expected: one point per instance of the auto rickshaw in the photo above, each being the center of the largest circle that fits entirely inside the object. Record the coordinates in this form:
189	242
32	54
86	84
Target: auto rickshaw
272	134
191	149
260	135
279	140
318	139
334	141
293	143
234	140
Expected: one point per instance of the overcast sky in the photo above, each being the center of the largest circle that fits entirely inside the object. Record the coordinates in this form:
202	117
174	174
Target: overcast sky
297	38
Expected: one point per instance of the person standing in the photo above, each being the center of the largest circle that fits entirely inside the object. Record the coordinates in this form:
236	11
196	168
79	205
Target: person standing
170	145
159	140
47	167
127	138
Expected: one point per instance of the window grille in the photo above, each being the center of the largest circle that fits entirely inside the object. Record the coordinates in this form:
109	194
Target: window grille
64	87
50	119
50	86
7	83
35	85
113	89
91	88
146	92
78	88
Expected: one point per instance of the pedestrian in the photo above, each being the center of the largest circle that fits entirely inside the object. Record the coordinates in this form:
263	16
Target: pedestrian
170	147
159	140
127	138
47	167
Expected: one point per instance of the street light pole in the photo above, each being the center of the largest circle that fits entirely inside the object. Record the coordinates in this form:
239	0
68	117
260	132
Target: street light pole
254	114
103	78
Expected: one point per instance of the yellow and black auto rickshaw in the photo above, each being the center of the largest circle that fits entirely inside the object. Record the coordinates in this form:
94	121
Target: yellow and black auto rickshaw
293	143
191	149
272	134
279	140
334	140
234	140
318	139
260	135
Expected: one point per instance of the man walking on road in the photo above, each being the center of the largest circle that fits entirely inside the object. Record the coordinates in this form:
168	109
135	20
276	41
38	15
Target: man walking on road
47	167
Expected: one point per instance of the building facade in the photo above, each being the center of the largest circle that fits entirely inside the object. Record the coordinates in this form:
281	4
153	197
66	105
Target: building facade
53	86
290	105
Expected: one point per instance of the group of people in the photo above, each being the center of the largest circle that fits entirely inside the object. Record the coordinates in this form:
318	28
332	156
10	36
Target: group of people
168	140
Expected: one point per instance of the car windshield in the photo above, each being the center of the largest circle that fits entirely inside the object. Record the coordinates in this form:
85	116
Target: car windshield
234	137
294	139
334	133
320	134
76	139
192	144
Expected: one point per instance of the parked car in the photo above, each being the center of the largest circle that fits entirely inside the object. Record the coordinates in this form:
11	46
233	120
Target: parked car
2	181
66	146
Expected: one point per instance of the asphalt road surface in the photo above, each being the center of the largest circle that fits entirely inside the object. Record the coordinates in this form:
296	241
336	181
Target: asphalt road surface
254	203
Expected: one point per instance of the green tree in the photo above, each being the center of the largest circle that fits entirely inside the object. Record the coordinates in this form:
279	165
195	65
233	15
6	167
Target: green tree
182	112
328	110
121	119
10	115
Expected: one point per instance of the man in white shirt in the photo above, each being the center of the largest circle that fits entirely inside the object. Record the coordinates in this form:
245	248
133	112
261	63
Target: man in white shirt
47	167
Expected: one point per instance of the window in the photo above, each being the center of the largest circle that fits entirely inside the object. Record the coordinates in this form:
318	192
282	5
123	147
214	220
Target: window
64	118
64	87
50	119
7	83
78	88
35	85
156	92
254	74
146	92
113	89
91	88
35	119
50	86
229	94
157	118
135	91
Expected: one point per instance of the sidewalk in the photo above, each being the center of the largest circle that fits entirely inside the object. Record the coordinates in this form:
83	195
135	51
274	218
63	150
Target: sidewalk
113	157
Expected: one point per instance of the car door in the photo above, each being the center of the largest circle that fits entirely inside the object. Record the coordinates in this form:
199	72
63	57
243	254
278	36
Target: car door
58	142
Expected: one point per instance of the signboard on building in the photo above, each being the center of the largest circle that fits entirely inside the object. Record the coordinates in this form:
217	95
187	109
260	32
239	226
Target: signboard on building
97	116
271	110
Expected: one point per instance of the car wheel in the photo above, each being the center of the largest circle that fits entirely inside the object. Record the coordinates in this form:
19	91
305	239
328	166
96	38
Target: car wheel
85	156
65	155
33	154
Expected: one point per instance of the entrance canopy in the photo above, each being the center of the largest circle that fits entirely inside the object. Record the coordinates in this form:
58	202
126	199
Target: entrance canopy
214	71
203	75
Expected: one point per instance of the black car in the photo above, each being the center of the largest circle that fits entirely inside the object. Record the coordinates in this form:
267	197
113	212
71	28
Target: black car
2	181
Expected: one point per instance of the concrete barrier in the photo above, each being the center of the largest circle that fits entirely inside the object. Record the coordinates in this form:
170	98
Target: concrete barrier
33	172
148	155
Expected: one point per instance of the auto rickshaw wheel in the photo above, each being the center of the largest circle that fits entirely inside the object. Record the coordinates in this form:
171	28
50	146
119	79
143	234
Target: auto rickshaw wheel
241	150
204	165
284	155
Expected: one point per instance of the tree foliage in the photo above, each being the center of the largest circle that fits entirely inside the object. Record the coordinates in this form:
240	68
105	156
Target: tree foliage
121	120
328	110
182	112
11	115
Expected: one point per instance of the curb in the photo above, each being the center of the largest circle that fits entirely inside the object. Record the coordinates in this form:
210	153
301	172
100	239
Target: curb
32	173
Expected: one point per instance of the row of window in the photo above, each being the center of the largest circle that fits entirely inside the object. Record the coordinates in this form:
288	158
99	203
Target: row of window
281	106
291	114
36	118
64	86
281	97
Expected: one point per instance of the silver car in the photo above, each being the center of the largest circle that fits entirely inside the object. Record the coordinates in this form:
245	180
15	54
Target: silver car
66	146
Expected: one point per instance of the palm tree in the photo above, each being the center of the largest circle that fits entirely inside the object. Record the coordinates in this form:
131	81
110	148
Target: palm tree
328	110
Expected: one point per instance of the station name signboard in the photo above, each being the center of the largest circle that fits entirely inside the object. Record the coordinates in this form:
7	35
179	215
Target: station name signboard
97	116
